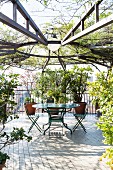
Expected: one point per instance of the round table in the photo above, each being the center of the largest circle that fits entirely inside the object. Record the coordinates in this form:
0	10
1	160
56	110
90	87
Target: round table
63	106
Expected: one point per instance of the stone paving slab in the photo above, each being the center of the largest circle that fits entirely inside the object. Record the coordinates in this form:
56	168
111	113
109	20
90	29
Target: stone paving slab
79	151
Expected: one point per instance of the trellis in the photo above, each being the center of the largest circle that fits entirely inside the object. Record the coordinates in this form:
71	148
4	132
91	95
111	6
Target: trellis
100	52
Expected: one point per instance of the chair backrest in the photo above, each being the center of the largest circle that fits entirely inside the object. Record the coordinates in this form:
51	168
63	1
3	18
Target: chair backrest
52	111
50	100
55	110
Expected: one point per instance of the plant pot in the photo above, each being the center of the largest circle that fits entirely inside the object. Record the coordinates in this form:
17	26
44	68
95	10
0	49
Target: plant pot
97	107
81	108
29	109
2	165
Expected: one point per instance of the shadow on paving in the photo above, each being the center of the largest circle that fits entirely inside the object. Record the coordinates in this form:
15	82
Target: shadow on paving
79	151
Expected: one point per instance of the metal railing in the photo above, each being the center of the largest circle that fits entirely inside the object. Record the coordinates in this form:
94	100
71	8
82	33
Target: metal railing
20	96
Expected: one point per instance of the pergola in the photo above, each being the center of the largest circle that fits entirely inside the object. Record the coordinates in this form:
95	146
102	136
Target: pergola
90	43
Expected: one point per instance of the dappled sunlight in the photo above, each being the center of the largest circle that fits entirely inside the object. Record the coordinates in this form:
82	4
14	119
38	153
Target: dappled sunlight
79	150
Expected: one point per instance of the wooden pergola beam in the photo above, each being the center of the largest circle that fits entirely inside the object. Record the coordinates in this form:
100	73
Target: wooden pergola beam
6	47
104	22
18	6
85	59
81	22
6	20
103	54
96	62
7	52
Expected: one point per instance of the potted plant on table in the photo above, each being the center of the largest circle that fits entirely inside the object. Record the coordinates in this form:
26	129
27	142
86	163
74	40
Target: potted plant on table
7	104
57	95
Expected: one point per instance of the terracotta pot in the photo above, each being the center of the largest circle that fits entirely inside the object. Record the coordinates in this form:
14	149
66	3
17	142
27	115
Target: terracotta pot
81	108
29	109
2	165
97	107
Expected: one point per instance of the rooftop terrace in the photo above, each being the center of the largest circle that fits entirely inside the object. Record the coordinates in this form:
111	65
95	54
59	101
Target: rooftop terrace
81	151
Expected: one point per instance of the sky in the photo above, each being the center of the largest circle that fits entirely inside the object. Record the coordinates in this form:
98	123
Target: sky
40	14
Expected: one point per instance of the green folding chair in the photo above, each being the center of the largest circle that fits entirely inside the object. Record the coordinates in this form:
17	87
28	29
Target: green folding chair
56	115
79	118
33	118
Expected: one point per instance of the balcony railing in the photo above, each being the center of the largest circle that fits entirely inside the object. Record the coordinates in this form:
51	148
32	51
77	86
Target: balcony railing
20	96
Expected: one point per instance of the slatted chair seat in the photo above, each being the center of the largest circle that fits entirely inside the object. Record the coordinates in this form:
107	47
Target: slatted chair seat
56	115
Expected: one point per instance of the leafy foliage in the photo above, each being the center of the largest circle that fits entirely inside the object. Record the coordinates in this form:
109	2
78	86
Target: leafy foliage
7	85
3	157
76	81
59	82
50	84
102	89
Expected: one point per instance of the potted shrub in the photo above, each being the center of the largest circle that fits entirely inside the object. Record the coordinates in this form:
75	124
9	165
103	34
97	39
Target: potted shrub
59	82
50	84
28	106
76	84
28	81
3	158
7	85
102	90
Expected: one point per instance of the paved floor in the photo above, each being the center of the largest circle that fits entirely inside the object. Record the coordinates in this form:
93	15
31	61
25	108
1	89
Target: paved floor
81	151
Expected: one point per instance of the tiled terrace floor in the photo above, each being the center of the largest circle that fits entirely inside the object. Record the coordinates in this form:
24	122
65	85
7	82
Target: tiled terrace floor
81	151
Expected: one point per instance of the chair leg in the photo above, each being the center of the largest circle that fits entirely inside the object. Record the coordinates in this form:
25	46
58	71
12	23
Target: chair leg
45	125
47	128
34	123
65	125
79	119
56	133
